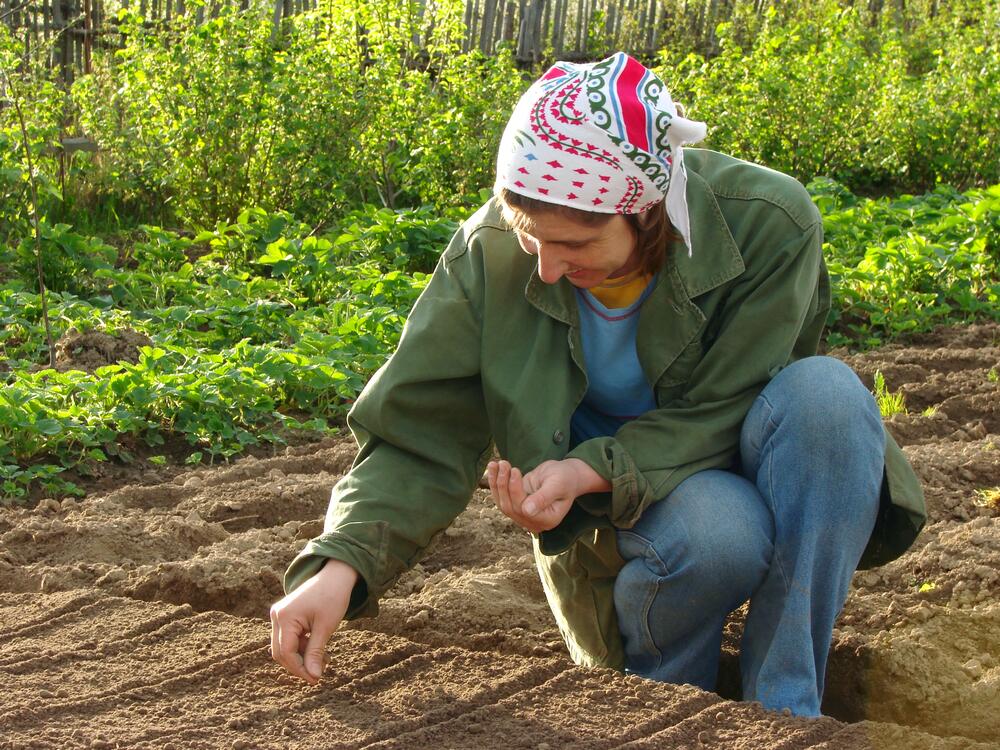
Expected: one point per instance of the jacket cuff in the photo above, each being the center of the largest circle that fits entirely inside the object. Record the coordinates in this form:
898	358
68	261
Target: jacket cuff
630	492
336	546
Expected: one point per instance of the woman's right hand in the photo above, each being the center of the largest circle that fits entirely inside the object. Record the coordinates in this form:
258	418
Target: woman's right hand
303	621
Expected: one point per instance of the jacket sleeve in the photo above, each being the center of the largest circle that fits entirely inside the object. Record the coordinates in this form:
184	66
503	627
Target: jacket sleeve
423	435
771	314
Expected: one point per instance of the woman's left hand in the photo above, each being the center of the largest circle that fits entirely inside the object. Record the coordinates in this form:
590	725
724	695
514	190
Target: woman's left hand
539	500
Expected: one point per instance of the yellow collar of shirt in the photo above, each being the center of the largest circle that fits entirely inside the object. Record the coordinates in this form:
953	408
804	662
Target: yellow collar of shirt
621	292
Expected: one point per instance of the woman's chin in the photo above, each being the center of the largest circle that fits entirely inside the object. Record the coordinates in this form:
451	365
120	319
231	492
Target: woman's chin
585	281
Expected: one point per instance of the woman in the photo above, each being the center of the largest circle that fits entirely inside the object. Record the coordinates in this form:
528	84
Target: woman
633	325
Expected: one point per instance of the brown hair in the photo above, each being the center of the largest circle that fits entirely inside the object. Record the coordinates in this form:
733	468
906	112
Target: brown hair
653	229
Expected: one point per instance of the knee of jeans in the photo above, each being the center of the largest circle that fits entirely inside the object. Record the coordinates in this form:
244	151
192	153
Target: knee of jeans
634	588
826	395
730	563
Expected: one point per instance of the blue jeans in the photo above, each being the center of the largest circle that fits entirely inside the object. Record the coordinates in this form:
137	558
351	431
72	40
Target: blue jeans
786	532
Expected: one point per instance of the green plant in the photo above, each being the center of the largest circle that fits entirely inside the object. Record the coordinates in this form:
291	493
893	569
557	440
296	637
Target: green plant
908	263
819	89
258	329
989	497
889	403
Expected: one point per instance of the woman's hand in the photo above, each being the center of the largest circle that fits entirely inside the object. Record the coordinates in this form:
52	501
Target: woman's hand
304	620
539	500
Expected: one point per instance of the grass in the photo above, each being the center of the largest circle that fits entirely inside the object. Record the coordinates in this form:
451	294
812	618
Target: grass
889	403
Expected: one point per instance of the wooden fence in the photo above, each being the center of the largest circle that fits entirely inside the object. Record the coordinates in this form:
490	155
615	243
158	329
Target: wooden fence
535	29
561	28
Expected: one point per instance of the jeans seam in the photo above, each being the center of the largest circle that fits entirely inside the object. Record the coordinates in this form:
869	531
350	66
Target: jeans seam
653	592
647	607
775	555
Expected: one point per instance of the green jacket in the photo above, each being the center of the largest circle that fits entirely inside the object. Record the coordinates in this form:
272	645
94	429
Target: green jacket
490	353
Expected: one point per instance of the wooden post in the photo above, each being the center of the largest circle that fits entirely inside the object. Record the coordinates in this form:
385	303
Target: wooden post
609	27
29	33
48	26
508	21
651	27
553	35
467	22
77	54
498	25
61	50
537	44
544	36
581	25
709	24
276	20
88	30
474	28
486	31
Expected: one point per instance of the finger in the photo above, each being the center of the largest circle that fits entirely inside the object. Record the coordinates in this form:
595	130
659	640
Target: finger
516	491
503	482
315	651
491	477
536	502
288	649
275	649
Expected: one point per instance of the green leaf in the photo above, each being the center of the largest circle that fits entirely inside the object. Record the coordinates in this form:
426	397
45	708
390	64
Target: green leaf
48	426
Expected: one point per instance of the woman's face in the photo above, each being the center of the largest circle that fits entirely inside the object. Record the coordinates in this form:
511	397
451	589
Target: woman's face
585	255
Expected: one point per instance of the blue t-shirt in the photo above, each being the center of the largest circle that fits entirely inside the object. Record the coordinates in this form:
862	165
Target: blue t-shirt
617	388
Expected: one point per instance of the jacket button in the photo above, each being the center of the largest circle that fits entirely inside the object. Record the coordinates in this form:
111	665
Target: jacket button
558	437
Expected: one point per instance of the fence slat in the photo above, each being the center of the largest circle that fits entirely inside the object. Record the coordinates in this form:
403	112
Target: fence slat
486	32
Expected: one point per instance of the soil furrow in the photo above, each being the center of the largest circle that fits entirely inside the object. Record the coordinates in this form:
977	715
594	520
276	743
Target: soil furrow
134	690
19	605
102	647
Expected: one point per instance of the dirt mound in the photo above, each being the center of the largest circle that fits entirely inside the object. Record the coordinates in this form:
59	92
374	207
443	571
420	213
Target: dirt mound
93	349
137	616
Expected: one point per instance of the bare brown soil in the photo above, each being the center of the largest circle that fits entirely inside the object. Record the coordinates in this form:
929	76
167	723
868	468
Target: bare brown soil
94	349
137	616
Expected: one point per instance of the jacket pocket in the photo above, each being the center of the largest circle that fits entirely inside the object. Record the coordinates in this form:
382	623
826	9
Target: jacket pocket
675	378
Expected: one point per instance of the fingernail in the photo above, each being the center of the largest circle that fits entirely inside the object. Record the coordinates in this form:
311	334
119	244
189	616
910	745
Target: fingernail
529	508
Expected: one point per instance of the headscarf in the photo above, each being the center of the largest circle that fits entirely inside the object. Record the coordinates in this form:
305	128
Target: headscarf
603	137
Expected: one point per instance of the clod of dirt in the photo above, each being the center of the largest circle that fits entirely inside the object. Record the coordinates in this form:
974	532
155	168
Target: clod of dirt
93	349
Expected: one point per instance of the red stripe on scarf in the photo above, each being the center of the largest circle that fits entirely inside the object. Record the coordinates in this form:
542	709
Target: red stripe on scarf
634	112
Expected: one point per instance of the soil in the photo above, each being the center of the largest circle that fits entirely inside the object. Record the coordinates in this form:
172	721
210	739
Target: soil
94	349
137	616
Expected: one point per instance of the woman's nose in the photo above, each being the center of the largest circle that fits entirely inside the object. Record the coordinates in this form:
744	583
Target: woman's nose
550	266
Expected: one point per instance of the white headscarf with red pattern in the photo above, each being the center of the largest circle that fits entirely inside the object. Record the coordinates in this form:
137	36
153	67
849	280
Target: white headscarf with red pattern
602	137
